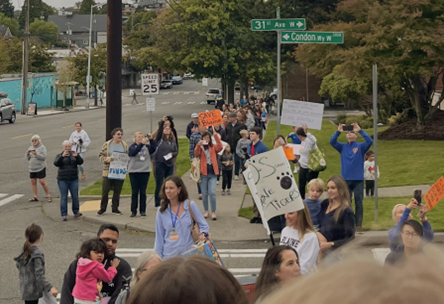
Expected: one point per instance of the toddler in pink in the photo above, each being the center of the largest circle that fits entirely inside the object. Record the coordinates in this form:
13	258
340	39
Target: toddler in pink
90	272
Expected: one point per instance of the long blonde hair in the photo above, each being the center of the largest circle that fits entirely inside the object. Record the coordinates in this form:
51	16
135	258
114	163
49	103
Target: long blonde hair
304	224
343	194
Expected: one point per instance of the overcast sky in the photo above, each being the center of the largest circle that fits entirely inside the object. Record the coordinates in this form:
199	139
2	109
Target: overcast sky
59	3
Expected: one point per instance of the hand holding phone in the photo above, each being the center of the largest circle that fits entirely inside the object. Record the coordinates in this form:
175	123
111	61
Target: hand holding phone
347	128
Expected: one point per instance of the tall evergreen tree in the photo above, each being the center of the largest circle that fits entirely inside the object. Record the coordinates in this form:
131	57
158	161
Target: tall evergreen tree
38	10
7	8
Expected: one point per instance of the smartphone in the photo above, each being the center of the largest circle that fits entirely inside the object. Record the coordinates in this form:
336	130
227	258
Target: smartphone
347	128
204	142
417	194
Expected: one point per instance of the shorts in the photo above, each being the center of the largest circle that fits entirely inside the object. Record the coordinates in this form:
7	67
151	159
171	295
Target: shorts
39	175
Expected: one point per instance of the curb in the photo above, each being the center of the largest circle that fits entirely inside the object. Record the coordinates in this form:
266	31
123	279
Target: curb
67	112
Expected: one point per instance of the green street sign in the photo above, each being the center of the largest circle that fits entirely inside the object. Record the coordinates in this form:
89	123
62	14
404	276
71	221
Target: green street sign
313	37
278	24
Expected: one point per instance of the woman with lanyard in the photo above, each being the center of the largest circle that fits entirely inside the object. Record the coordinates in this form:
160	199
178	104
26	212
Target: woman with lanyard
174	219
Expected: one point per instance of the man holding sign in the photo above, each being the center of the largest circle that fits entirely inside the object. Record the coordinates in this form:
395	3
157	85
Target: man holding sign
109	148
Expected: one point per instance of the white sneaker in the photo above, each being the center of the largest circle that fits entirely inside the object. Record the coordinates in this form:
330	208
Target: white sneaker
217	182
236	177
296	170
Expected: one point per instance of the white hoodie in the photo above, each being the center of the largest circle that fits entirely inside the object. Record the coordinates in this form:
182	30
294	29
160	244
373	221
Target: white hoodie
75	136
307	249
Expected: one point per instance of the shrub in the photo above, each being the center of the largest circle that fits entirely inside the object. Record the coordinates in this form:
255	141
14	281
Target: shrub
341	118
362	120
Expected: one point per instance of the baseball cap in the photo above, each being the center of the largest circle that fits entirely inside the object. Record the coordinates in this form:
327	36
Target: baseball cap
232	115
194	115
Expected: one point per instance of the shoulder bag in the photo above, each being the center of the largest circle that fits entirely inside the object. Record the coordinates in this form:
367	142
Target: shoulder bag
316	160
195	230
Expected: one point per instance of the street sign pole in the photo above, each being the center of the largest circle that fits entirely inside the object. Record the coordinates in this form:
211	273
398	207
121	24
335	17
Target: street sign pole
278	76
375	133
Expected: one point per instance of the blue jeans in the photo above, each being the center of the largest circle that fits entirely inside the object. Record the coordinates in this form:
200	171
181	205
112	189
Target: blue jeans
139	182
356	187
162	172
208	186
73	187
199	190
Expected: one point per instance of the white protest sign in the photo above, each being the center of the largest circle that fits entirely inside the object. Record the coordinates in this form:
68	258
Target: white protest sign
150	84
295	148
270	178
299	113
150	104
224	144
118	167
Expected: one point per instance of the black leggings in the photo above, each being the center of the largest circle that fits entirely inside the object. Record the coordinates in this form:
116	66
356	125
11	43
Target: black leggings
305	176
32	302
227	176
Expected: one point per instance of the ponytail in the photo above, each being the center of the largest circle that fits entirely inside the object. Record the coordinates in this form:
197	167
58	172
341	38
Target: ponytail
32	235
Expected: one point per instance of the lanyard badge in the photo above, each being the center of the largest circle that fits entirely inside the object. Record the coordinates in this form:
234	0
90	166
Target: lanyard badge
174	236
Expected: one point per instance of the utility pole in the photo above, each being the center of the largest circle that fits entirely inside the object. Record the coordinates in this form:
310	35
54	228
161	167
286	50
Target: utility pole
25	61
114	67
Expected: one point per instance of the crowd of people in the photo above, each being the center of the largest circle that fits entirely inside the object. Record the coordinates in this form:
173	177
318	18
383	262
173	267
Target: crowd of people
310	235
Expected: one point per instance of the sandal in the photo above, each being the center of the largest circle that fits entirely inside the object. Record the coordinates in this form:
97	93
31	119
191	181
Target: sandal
49	199
34	199
206	214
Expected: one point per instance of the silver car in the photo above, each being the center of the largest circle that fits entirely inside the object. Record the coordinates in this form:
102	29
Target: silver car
211	95
7	108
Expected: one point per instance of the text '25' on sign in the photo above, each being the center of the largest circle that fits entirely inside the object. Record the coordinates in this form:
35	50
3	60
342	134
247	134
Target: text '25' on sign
150	84
210	118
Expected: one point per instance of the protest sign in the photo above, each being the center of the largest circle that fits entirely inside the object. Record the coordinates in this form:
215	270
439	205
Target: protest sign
119	166
210	118
207	250
272	185
295	148
299	113
435	194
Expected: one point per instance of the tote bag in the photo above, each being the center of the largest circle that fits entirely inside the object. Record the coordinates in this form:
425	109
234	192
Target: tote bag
316	160
195	170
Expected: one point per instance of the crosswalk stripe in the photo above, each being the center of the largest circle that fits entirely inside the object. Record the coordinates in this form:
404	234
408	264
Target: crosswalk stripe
10	199
165	93
196	93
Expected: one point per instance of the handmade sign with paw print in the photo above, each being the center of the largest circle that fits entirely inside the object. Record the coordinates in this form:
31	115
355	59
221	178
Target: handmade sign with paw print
272	185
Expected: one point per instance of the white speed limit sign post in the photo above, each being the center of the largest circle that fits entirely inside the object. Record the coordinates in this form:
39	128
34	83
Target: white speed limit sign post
151	107
150	84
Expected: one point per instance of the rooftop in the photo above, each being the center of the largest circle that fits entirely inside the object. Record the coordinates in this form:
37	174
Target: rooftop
79	22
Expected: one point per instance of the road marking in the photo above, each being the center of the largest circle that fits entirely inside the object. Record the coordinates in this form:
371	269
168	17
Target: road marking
66	127
10	199
224	253
140	250
196	93
191	102
178	102
165	93
20	136
186	93
165	102
244	270
203	102
3	195
91	206
176	93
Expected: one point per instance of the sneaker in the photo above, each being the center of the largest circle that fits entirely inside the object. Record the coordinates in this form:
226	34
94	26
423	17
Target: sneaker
206	214
259	220
229	192
253	220
143	215
77	215
359	229
64	218
296	170
117	212
213	216
133	215
236	177
223	192
217	183
101	211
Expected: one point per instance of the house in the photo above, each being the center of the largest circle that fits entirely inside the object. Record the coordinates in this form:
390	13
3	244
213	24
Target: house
5	32
151	3
77	6
74	29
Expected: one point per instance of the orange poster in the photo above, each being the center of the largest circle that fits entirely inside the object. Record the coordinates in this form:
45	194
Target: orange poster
435	194
210	118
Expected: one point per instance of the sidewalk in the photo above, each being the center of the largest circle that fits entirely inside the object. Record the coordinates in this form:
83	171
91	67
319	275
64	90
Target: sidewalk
229	226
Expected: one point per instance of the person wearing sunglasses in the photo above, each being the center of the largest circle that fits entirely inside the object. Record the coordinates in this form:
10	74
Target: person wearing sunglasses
352	165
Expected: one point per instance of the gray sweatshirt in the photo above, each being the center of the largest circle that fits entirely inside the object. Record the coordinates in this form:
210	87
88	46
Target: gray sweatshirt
37	163
141	162
32	275
242	143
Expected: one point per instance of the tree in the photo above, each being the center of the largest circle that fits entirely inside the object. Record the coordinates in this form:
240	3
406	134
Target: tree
46	31
4	55
85	8
404	38
7	8
38	10
11	23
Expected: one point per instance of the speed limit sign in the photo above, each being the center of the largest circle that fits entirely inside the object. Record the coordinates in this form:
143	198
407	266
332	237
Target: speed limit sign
150	84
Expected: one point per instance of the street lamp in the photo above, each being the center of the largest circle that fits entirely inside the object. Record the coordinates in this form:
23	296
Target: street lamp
88	80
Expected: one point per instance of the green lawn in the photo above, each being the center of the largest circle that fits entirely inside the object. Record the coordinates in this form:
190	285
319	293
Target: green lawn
401	162
183	165
385	206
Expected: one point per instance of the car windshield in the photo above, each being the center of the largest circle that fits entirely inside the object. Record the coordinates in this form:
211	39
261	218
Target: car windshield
213	91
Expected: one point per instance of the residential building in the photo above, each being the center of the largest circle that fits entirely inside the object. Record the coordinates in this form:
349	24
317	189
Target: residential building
65	11
5	32
74	29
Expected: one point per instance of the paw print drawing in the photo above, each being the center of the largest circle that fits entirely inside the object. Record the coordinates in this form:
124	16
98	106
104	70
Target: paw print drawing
286	180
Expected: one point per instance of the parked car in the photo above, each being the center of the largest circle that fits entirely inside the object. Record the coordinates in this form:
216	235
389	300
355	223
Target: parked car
188	75
176	80
166	84
256	87
7	108
211	95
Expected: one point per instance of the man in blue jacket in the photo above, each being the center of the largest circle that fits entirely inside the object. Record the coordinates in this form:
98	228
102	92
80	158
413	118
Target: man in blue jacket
256	147
352	165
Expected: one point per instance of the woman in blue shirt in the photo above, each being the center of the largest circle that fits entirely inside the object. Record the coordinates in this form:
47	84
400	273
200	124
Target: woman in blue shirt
173	220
